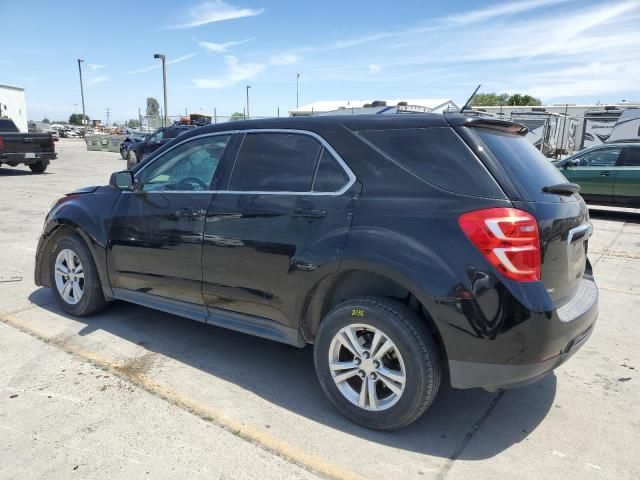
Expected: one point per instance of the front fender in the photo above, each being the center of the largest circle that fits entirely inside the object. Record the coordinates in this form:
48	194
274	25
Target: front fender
87	215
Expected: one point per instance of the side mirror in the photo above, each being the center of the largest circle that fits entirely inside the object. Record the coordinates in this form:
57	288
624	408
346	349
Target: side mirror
122	180
569	164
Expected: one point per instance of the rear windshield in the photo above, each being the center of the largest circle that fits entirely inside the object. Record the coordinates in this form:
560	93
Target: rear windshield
438	156
522	165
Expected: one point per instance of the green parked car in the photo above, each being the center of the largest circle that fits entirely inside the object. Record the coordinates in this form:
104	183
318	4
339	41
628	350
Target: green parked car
607	174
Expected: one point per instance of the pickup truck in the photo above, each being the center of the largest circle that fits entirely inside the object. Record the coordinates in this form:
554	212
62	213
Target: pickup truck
32	149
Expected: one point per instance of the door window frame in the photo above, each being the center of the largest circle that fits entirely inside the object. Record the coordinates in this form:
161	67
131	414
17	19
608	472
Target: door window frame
232	150
215	180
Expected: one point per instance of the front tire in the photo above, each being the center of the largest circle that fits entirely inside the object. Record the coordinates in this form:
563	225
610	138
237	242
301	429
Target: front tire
74	277
39	167
377	362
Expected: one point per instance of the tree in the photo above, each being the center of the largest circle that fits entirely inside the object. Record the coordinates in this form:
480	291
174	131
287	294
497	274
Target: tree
237	116
46	120
132	123
523	100
153	107
76	119
494	99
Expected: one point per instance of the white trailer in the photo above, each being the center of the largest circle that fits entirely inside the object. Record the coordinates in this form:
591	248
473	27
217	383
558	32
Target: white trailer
627	127
552	133
13	105
598	125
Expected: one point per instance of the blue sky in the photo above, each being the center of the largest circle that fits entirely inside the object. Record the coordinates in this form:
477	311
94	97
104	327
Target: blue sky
560	50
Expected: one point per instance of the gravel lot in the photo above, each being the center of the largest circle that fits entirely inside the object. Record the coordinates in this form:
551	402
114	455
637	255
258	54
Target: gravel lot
132	391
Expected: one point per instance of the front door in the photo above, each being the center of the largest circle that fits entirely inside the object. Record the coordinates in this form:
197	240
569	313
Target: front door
595	173
279	228
155	235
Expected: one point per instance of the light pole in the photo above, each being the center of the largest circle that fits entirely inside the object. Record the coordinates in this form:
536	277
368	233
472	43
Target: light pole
248	87
84	114
164	85
297	90
75	105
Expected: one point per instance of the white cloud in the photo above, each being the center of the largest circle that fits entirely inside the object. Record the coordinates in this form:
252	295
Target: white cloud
284	59
98	79
94	66
222	47
498	10
159	64
235	73
215	11
373	68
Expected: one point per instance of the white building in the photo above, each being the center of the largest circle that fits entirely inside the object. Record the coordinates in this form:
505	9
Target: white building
13	105
436	105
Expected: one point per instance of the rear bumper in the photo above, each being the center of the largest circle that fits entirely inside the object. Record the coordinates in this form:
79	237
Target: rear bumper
565	330
20	158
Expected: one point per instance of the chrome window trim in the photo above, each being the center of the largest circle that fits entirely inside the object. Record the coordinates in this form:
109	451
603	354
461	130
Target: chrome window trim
323	142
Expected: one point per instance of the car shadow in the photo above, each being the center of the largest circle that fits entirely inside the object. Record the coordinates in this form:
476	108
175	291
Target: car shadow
285	376
627	216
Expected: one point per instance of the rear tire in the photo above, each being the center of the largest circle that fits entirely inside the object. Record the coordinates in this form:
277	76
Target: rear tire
403	382
39	167
132	159
74	277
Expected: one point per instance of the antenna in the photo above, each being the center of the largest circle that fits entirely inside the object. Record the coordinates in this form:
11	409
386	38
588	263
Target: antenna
470	98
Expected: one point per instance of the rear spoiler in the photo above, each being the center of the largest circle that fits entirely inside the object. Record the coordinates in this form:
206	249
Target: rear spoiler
457	120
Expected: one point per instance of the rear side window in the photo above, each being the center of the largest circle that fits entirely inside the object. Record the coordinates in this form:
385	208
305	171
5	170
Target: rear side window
522	164
330	177
275	162
438	156
632	157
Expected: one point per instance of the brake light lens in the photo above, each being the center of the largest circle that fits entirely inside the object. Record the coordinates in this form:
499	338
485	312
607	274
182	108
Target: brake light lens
509	240
1	143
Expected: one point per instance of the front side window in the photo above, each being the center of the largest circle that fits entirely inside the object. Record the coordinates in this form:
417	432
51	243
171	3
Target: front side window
187	167
275	162
159	135
603	157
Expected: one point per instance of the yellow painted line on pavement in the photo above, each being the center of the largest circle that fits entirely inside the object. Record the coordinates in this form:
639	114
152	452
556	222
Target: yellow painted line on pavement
129	371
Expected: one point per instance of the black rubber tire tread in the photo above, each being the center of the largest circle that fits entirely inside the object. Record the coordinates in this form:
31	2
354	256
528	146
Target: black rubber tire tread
402	319
132	159
92	299
39	167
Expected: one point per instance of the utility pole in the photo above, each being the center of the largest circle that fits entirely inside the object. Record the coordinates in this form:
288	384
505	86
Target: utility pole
297	90
215	116
164	85
247	117
84	113
108	110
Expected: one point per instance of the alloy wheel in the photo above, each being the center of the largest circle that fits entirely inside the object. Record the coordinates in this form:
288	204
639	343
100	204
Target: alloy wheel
69	276
367	367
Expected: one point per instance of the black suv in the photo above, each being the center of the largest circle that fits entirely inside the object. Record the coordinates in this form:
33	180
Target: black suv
137	151
402	247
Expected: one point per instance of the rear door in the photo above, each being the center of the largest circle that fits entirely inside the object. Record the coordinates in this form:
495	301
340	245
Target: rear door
563	220
279	227
626	190
595	172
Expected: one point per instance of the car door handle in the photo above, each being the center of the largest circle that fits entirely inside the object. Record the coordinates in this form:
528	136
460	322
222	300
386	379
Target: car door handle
309	213
189	213
605	174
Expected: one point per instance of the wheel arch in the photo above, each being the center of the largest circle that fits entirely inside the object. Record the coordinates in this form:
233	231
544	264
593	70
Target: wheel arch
364	280
55	229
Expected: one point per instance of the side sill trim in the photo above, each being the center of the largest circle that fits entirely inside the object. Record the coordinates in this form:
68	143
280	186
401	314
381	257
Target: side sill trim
257	326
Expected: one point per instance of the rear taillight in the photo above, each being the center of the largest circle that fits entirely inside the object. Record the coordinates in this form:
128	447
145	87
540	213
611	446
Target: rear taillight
52	143
1	143
508	238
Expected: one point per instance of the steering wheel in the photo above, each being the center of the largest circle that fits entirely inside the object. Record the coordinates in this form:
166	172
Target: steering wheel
193	182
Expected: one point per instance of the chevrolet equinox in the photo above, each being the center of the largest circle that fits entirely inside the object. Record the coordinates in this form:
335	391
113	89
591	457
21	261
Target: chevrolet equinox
405	248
